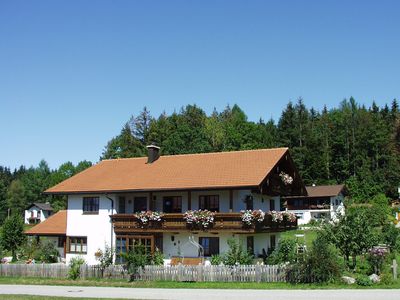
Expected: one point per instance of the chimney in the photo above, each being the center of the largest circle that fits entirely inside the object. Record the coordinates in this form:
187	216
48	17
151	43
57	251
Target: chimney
153	153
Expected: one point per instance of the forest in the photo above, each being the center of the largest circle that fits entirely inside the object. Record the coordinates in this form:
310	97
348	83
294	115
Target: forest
350	143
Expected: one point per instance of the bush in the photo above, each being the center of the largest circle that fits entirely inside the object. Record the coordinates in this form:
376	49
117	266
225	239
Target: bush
48	252
236	255
363	280
285	252
75	267
216	260
31	249
386	279
390	236
135	259
105	258
157	258
320	265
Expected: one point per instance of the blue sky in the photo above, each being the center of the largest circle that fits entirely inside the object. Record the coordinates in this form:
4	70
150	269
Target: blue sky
73	72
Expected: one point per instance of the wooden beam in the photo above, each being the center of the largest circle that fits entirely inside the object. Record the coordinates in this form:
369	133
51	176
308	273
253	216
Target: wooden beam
189	200
230	200
151	202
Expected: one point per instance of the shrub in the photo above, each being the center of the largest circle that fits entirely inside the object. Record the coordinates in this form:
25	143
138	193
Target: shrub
285	252
390	236
236	255
157	258
386	279
105	258
135	259
31	249
48	252
376	258
363	280
216	259
75	264
320	265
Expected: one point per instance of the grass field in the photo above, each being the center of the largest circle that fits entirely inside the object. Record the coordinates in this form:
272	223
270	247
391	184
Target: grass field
184	285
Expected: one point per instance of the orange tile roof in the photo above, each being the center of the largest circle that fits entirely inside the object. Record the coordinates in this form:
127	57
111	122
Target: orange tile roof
54	225
175	172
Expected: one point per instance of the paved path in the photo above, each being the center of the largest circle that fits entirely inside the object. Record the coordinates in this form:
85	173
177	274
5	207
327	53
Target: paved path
198	294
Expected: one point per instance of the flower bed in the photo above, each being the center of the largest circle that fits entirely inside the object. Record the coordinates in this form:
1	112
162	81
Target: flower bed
202	219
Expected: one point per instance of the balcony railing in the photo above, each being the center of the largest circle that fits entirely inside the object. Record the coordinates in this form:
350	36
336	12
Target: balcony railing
309	207
125	223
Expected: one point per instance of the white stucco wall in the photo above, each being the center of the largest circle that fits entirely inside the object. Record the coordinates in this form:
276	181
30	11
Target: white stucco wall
35	210
97	227
182	246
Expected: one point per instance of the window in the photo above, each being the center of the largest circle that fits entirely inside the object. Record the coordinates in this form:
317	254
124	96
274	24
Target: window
272	242
173	204
90	205
250	244
77	245
140	204
121	205
249	203
210	245
209	202
125	244
272	204
61	241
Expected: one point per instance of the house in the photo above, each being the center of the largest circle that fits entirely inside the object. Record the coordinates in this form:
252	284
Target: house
54	229
106	200
37	212
321	202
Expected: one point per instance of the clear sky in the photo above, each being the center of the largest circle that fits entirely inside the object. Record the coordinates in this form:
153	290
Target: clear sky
72	72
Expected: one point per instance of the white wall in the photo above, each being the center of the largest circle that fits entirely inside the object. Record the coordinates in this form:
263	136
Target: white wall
35	210
97	228
181	242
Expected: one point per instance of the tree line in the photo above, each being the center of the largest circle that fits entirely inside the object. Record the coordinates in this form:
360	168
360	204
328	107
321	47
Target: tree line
351	144
23	186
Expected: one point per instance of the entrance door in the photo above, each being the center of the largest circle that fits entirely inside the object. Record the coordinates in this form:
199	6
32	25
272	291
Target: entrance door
139	204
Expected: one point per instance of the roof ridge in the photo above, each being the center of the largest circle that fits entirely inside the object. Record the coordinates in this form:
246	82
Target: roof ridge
201	153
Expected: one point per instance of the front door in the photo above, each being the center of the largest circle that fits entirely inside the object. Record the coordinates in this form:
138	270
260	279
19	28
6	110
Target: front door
139	204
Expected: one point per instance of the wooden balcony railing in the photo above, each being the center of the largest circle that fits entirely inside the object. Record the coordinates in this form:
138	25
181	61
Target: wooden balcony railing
309	207
125	223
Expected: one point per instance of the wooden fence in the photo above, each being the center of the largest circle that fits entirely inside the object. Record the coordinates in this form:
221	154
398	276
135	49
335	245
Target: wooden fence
60	271
250	273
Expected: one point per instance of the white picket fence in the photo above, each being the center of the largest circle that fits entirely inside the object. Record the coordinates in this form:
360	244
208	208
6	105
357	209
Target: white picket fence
60	271
250	273
243	273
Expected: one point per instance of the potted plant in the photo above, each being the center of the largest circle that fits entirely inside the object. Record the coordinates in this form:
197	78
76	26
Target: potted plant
252	217
145	218
199	219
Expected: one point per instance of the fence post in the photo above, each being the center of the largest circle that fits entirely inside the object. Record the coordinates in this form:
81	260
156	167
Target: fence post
394	269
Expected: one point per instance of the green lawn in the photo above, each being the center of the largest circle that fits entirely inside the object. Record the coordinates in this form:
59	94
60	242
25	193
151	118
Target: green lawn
309	235
180	285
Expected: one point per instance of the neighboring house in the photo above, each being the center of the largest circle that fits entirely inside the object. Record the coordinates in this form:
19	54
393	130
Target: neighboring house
37	212
103	200
53	229
322	202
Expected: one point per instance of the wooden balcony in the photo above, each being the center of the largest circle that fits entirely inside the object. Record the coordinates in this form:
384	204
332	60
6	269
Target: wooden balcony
128	223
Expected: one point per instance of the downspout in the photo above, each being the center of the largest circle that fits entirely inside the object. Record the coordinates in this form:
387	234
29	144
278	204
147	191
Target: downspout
112	212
